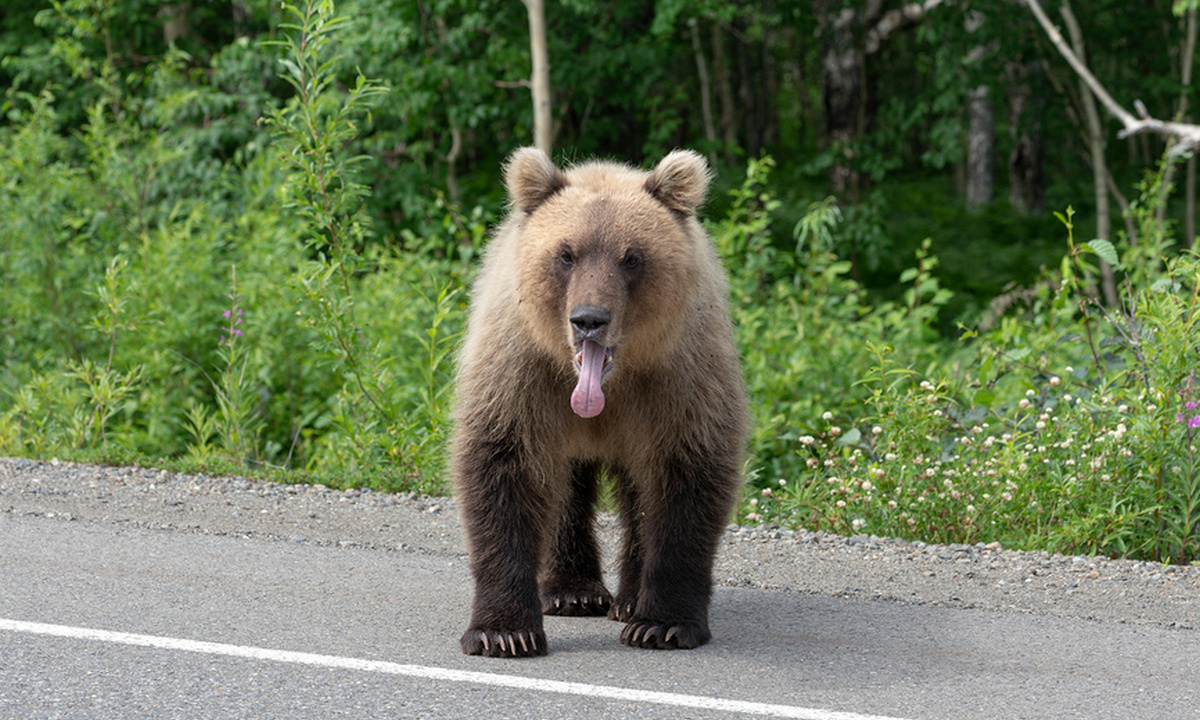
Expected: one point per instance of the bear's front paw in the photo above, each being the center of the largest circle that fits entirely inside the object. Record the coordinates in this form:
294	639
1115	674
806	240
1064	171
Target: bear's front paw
585	598
622	609
504	643
664	635
576	603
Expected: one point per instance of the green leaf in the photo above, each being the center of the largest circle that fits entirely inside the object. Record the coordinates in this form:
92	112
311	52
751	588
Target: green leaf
1105	250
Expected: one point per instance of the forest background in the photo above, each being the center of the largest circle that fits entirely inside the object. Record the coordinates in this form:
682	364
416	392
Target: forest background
238	237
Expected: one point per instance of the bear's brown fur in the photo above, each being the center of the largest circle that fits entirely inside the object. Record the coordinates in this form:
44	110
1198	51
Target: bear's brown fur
599	273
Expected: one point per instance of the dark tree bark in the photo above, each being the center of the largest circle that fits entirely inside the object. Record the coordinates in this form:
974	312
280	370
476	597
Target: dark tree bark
842	94
725	93
749	99
706	112
1026	161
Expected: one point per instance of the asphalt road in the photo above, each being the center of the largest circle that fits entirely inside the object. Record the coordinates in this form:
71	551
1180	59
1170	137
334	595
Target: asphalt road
217	626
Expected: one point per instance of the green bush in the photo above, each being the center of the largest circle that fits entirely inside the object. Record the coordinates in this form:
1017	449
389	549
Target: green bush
1073	428
217	323
804	325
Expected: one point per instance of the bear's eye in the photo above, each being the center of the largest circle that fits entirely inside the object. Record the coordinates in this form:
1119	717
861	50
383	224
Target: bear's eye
566	257
632	261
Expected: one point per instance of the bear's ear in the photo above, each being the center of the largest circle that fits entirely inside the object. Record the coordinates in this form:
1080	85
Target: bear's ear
680	181
531	179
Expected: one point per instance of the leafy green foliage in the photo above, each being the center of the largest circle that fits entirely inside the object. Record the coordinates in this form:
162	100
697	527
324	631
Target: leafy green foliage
168	304
803	322
1072	429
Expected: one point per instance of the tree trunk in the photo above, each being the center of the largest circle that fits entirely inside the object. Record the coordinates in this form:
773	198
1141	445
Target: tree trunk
749	98
175	21
452	162
842	75
1026	161
846	85
1185	76
710	129
1096	146
981	148
1189	204
768	90
725	91
543	133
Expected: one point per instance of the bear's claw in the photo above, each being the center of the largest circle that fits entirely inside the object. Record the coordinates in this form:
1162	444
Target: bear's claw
622	610
664	636
504	643
577	604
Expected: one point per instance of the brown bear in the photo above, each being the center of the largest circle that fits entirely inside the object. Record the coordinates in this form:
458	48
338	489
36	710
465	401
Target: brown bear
598	343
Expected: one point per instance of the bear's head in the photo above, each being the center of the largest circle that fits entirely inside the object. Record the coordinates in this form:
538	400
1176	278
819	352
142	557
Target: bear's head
610	262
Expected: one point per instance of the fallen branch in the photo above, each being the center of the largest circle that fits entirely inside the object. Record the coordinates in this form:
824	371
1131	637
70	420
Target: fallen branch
1186	134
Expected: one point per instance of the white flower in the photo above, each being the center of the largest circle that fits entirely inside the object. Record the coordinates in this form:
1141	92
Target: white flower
827	416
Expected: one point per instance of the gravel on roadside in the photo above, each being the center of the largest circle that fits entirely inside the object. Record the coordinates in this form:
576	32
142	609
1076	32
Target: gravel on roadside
865	568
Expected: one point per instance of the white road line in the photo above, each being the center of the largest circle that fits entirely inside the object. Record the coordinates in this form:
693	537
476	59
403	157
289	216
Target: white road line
433	673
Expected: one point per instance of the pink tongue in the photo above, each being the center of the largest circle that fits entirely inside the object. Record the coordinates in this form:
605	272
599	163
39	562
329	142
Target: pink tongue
587	400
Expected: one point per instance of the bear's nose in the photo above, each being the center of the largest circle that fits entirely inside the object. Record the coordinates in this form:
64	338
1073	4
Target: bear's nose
589	320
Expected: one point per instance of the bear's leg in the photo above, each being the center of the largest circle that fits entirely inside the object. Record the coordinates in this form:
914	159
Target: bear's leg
571	582
630	561
503	510
683	517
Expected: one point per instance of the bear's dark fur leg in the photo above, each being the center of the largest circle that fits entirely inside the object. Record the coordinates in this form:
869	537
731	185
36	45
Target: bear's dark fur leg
629	580
571	582
504	515
682	518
